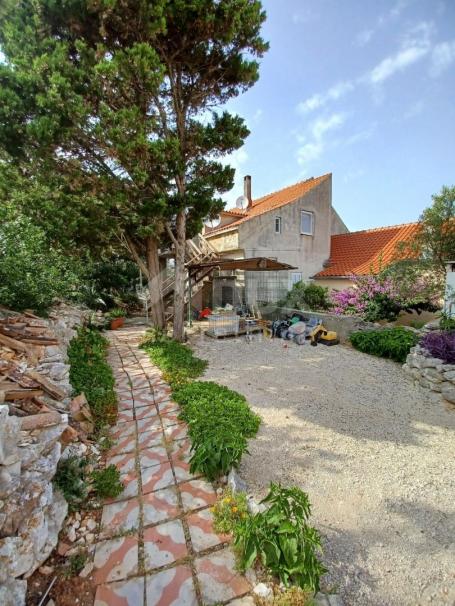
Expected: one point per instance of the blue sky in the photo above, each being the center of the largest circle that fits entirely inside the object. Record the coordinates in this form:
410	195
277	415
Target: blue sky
365	90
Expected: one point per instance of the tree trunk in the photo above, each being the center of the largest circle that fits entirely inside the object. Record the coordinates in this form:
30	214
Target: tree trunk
180	275
154	283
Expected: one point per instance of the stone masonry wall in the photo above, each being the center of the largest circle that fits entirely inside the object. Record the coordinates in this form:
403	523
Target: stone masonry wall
32	511
431	372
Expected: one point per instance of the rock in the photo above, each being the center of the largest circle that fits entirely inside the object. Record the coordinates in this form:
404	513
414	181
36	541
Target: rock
50	603
9	436
68	435
91	524
46	570
87	570
449	375
254	507
59	371
262	590
71	534
63	548
235	482
12	592
432	375
89	538
448	392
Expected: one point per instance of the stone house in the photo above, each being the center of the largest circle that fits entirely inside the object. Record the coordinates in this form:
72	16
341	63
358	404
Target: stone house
293	225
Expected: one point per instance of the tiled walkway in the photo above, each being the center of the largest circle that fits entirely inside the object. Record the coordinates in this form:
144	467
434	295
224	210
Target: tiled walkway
157	546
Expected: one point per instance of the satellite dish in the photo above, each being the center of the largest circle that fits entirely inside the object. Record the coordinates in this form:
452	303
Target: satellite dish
212	222
242	202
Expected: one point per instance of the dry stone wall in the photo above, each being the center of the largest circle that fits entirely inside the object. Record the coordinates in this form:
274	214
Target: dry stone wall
431	372
32	511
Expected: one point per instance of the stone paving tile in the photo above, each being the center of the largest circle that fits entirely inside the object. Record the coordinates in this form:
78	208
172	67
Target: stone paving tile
156	477
120	516
115	559
202	533
149	435
172	587
164	544
218	579
160	506
123	593
146	412
176	432
196	494
180	450
130	487
119	431
124	462
149	439
149	424
154	456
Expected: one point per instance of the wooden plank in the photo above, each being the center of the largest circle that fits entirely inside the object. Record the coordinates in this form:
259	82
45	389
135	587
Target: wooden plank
22	394
12	343
35	340
53	390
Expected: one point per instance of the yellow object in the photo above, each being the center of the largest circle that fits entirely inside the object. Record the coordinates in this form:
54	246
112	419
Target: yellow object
319	334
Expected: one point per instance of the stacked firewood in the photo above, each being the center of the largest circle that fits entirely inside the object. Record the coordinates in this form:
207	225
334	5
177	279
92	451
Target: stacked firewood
23	342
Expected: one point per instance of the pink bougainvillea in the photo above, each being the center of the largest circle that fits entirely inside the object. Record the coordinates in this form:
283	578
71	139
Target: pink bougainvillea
372	297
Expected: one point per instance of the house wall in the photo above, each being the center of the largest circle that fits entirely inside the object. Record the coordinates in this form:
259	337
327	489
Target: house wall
334	283
337	226
257	236
227	241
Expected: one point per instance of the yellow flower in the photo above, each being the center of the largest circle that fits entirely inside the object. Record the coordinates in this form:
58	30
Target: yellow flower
212	509
243	515
235	509
227	500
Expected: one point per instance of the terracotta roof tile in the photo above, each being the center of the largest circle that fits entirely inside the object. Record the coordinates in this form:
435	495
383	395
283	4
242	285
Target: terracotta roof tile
359	252
271	202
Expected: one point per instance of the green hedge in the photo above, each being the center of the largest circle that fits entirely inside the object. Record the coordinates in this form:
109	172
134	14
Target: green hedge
219	419
176	360
91	374
393	343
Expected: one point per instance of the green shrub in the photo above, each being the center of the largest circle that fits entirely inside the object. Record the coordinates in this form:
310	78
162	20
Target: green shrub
176	360
281	539
393	343
106	482
219	424
32	273
91	374
72	481
307	296
446	322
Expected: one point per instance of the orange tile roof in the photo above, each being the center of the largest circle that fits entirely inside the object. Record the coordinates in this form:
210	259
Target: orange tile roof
360	252
271	202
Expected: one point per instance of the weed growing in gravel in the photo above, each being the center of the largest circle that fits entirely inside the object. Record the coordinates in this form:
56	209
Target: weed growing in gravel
76	563
281	539
106	482
71	480
229	510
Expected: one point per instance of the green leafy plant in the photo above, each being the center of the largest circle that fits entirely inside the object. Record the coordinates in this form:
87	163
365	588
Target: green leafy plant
228	510
92	375
393	343
446	322
106	482
281	539
176	360
307	295
71	479
76	563
219	423
117	312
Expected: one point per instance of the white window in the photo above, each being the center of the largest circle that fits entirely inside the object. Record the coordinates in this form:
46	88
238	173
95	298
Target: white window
306	223
296	276
278	225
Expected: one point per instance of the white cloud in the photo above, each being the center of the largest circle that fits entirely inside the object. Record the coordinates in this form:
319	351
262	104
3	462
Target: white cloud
366	35
319	100
415	45
442	57
315	142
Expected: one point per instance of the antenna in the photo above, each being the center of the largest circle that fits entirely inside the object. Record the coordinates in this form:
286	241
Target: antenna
242	202
208	222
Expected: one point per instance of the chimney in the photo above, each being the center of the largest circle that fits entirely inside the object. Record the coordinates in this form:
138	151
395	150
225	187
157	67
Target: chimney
247	190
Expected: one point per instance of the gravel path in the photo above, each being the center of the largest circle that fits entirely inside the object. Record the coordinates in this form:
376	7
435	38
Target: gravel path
374	453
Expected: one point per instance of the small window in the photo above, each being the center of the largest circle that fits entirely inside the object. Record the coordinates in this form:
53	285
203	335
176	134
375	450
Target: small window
306	223
278	225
